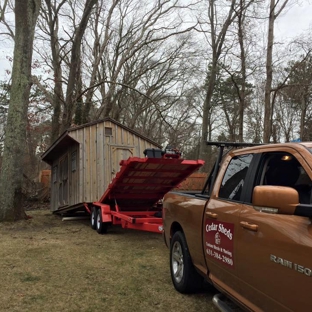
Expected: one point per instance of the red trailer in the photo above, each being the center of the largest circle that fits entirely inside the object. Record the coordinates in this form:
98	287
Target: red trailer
133	198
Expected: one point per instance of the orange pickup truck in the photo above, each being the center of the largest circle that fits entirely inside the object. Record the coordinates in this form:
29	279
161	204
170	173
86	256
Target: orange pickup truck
249	231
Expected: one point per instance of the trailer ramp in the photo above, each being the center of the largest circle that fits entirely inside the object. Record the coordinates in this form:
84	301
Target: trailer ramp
133	198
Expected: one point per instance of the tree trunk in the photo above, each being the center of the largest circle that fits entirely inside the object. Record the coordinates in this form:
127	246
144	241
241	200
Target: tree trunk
207	109
242	93
50	15
98	51
303	114
267	126
11	208
217	41
268	106
75	63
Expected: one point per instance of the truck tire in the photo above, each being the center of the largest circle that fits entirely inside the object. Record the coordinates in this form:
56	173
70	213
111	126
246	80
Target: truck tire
101	227
93	217
183	274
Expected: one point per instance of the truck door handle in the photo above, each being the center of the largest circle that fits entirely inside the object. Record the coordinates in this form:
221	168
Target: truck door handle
212	215
249	226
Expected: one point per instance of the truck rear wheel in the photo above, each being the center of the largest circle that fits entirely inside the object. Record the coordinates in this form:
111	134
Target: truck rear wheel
101	227
183	274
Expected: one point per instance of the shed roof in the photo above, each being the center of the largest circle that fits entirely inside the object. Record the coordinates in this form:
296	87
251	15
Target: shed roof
64	140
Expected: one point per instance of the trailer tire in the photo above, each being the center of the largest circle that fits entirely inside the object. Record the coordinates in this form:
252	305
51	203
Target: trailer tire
183	274
101	227
93	217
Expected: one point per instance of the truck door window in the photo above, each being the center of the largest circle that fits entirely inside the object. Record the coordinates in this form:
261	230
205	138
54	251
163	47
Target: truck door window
283	169
234	177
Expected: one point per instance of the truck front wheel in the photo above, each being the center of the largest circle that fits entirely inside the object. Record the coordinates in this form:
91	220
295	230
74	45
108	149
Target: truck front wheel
183	274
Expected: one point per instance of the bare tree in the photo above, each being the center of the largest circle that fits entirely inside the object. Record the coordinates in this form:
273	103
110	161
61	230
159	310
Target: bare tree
274	12
285	120
65	56
50	13
11	208
217	36
242	91
129	50
74	75
6	10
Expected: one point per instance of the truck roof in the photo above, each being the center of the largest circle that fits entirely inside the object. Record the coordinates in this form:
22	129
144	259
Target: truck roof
278	146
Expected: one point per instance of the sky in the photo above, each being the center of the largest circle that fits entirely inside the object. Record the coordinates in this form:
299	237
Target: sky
295	20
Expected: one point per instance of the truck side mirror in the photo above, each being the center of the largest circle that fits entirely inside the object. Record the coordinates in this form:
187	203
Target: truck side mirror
275	199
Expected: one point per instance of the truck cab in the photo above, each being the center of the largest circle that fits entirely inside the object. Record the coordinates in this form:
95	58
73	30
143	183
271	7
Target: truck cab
249	231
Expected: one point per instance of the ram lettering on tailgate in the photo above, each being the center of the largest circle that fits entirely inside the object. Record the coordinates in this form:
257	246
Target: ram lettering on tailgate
219	241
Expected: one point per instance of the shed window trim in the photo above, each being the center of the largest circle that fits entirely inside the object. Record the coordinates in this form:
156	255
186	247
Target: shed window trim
108	131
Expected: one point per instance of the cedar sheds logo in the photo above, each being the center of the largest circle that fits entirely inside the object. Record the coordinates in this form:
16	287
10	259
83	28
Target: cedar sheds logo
219	241
220	228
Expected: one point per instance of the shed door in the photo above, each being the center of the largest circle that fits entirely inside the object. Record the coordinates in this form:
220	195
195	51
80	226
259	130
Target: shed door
119	153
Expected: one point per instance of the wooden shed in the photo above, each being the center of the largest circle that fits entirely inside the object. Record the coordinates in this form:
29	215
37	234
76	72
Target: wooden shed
84	160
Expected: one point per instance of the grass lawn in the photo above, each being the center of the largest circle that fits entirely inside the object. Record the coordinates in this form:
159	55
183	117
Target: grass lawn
47	264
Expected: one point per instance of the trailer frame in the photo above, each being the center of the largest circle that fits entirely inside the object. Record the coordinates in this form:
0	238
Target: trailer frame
134	197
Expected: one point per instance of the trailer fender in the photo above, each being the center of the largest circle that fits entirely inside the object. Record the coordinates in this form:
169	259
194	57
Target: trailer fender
106	213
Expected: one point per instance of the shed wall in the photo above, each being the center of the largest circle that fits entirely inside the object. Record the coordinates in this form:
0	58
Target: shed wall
101	147
64	179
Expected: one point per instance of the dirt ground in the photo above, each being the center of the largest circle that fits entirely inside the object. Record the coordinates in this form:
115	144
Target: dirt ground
47	264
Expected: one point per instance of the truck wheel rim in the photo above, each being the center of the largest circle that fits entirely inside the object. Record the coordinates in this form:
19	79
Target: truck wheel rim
177	262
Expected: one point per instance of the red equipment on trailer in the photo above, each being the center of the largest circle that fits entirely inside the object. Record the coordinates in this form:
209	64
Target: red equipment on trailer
133	198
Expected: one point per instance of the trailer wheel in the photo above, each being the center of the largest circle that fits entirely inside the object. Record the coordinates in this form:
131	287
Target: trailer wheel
101	227
93	218
183	274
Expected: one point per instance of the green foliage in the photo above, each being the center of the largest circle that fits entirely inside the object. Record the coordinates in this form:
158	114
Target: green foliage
78	114
296	96
299	81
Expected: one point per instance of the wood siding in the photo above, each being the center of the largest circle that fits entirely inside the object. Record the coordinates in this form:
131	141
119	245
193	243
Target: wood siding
100	149
64	181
